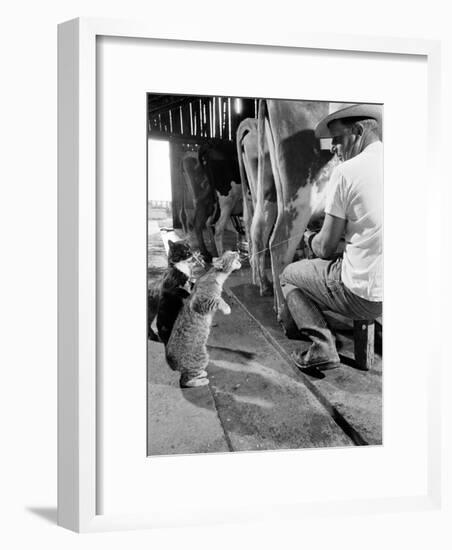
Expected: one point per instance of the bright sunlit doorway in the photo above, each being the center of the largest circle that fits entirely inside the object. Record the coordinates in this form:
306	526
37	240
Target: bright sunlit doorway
159	184
159	173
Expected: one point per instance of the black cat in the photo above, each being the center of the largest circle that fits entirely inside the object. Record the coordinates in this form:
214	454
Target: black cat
174	291
169	287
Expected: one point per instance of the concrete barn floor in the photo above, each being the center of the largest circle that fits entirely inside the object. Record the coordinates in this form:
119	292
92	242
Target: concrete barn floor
257	398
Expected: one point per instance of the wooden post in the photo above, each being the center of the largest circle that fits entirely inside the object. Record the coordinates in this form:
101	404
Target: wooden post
199	112
225	132
186	119
218	119
234	120
210	118
169	123
202	118
195	118
176	183
176	122
206	107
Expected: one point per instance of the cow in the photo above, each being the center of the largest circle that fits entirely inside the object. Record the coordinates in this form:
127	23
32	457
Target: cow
295	194
214	183
200	194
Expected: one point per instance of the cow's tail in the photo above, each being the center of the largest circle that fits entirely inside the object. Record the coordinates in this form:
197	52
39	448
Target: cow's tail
261	151
246	126
258	198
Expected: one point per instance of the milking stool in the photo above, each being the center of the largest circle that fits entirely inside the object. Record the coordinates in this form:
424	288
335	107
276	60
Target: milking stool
364	343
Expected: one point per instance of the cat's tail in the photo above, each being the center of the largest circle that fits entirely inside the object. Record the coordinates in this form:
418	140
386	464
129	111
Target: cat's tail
243	353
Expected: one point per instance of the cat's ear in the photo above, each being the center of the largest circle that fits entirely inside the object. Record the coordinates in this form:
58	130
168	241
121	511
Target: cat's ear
170	244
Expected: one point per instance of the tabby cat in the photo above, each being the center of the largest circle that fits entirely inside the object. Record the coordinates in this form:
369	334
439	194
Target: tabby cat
186	351
176	276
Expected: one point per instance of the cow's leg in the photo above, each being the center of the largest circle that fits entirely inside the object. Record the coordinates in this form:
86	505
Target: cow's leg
248	212
261	227
264	213
248	194
226	204
287	235
237	211
292	221
210	223
184	219
199	223
293	213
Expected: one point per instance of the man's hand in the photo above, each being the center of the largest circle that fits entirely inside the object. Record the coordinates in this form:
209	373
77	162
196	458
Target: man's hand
308	236
324	244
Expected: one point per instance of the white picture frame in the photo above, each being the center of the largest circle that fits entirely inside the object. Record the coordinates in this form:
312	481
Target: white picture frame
79	467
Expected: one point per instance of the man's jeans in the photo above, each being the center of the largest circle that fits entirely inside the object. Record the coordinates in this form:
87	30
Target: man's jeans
313	286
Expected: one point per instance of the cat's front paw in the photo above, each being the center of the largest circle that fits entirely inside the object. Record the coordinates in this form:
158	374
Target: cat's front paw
226	309
196	382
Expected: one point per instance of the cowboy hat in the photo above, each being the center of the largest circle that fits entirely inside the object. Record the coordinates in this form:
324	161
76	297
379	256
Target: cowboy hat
361	111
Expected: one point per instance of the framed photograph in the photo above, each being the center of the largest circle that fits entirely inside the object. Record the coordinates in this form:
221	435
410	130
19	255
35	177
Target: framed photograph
198	179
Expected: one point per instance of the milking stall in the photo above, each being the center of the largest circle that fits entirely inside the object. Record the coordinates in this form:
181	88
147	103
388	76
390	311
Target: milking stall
251	175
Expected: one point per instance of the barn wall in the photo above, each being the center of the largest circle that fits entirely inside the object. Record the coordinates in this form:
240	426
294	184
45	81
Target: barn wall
197	117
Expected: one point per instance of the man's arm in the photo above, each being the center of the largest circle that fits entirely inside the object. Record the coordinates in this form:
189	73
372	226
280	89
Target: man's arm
324	244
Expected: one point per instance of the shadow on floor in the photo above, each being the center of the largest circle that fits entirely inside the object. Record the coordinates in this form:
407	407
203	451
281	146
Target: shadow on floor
261	408
50	514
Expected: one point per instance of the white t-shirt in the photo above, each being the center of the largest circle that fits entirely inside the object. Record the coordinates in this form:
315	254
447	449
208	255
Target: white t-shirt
356	195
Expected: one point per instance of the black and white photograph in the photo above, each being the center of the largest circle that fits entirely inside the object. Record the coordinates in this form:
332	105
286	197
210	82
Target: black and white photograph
265	282
210	212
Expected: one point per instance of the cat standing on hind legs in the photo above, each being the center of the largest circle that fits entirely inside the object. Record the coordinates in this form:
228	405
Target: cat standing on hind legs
174	279
186	350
